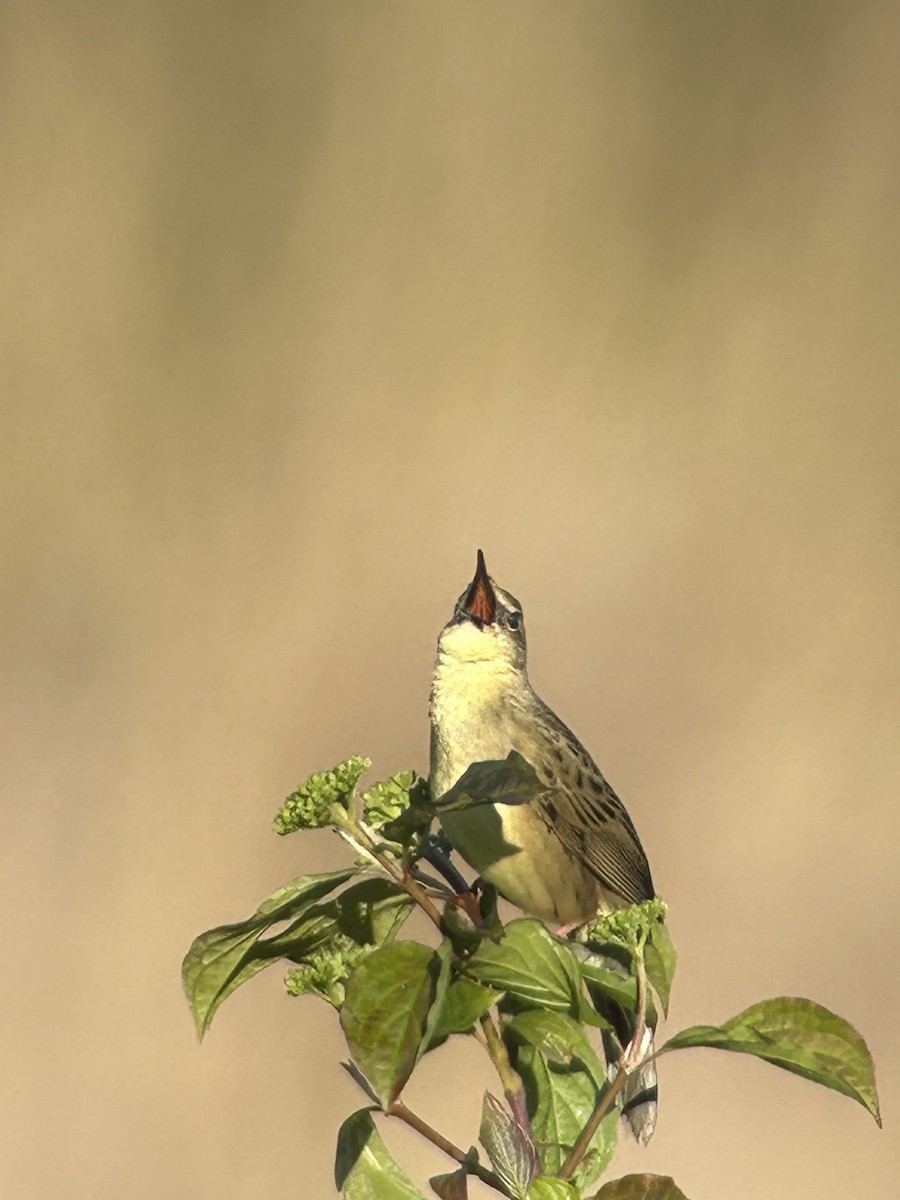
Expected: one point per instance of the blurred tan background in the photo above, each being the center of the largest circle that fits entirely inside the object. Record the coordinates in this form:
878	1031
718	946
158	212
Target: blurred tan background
301	303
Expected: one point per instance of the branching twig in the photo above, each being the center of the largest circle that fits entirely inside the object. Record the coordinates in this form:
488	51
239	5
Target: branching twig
399	1109
629	1061
604	1104
361	838
513	1088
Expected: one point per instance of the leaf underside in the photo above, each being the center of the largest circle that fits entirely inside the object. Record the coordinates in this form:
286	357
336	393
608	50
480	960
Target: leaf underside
364	1169
800	1036
221	959
546	1187
531	966
385	1013
660	958
641	1187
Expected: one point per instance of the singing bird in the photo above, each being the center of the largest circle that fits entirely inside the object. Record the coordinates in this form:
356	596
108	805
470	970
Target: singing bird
571	852
565	854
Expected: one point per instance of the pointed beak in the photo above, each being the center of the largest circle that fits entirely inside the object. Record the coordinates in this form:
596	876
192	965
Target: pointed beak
481	602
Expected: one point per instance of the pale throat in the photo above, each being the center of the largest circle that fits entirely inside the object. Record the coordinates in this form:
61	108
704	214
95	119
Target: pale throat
470	708
477	685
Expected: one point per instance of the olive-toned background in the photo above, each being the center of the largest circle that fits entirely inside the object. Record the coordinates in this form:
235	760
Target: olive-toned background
303	302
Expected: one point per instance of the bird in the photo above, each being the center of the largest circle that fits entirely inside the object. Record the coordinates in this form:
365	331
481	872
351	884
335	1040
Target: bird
570	850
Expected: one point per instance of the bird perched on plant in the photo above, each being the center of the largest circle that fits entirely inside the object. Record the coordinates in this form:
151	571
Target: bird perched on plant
570	850
574	850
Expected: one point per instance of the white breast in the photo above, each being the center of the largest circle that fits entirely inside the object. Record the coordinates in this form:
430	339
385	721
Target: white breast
479	712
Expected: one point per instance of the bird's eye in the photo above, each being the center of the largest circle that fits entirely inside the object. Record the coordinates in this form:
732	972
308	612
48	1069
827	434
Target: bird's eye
513	620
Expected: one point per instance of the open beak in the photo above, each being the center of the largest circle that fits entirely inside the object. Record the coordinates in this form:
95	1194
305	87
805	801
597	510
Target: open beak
481	602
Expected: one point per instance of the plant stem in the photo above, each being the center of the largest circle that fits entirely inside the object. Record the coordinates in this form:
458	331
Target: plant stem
604	1104
418	894
496	1049
640	1027
630	1060
399	1109
361	836
513	1087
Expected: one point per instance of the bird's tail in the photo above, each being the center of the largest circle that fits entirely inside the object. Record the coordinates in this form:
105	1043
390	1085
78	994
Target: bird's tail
638	1100
640	1095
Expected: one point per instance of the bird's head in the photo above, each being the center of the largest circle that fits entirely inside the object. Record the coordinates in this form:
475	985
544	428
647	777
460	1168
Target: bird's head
487	625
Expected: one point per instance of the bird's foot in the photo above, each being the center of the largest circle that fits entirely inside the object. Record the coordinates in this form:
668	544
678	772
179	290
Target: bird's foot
468	902
564	930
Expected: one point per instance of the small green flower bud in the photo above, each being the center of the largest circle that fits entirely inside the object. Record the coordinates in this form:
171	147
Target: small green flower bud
312	805
397	809
386	801
325	972
629	926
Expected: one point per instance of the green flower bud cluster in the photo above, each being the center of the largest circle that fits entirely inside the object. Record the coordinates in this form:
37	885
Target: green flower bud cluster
312	805
385	802
629	926
326	971
397	809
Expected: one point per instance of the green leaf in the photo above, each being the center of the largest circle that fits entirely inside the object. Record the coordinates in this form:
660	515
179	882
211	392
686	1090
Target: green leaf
360	1080
531	966
369	913
508	1146
559	1038
511	780
641	1187
385	1013
800	1036
444	956
560	1101
607	975
464	1003
659	959
545	1187
363	1168
221	959
612	988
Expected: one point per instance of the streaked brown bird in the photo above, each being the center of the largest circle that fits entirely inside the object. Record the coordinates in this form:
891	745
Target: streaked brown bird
574	851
